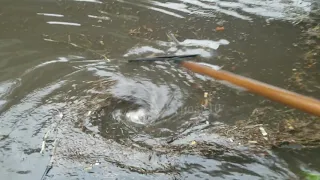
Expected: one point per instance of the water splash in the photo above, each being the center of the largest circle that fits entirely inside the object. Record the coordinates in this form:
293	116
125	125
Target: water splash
205	48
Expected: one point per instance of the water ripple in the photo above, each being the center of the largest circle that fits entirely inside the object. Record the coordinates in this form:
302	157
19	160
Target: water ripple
278	9
141	104
153	8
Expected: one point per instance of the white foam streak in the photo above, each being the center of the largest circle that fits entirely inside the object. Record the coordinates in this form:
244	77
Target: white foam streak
64	23
52	15
93	1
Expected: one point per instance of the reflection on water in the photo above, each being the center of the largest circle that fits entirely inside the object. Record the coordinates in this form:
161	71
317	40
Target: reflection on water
272	9
70	57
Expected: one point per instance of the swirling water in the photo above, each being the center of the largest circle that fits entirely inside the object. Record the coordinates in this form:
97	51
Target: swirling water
69	58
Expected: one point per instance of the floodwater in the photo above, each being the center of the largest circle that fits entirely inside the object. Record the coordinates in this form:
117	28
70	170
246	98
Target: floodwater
62	60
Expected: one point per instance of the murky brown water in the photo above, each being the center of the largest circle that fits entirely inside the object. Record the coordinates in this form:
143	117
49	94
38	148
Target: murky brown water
70	57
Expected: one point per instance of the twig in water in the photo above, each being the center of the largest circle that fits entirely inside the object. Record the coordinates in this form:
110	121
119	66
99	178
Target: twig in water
83	47
45	137
173	38
173	138
55	144
50	165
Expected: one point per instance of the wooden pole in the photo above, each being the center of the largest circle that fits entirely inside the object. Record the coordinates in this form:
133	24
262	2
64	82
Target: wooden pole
292	99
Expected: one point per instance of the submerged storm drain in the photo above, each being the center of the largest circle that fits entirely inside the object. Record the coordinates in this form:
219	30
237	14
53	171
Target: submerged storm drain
119	118
117	131
109	136
129	109
115	138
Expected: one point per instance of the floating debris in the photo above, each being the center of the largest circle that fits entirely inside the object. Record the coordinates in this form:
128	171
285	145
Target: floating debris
288	125
89	168
172	38
43	147
97	163
310	175
60	115
220	28
193	143
206	100
252	142
45	137
263	131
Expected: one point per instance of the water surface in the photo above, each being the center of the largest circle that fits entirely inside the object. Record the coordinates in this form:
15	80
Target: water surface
62	60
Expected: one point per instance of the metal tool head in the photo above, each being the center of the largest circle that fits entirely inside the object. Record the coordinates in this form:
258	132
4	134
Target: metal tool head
164	58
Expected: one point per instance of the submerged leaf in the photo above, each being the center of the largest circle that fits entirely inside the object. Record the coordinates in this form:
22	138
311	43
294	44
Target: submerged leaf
311	176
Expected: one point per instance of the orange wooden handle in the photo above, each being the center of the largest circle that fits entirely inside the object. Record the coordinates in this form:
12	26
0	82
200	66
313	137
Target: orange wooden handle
292	99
